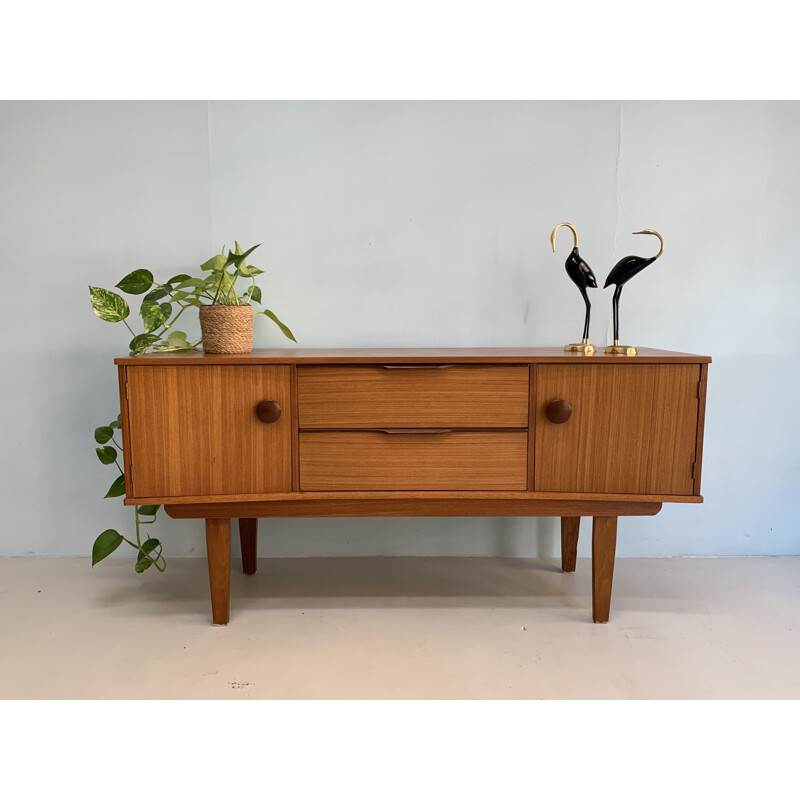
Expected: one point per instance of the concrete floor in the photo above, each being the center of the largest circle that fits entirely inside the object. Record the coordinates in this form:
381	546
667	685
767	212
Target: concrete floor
401	628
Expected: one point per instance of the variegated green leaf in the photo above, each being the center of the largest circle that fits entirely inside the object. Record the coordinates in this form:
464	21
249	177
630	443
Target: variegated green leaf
136	282
156	294
108	305
153	315
141	342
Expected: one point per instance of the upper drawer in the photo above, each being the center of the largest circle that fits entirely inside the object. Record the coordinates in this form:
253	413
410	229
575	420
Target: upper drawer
411	396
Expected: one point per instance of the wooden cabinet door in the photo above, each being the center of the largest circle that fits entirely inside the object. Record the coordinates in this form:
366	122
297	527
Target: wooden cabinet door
633	428
193	430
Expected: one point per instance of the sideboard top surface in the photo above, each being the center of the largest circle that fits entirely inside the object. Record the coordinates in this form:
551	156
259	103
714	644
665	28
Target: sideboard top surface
457	355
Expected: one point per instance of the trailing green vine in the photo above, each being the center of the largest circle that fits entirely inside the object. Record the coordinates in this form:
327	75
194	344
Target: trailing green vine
160	309
150	550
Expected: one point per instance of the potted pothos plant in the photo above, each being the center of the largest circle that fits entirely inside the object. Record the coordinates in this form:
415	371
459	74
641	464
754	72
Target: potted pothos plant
226	324
213	294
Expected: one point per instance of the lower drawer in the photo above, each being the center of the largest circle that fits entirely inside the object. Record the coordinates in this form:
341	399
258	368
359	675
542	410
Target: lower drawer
407	461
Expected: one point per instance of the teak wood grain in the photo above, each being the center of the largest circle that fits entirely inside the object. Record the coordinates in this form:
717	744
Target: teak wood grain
400	396
633	428
413	355
570	530
332	505
194	430
701	420
218	550
371	460
248	541
604	543
412	495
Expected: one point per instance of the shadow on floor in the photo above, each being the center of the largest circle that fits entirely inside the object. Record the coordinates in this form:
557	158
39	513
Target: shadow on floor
358	583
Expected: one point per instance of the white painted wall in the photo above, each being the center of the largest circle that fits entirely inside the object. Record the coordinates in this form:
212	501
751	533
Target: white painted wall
407	224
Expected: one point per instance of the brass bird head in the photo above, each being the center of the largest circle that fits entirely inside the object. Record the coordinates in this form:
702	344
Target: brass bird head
652	233
567	225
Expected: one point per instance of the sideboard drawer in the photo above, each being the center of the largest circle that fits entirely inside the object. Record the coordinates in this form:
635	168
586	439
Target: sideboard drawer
376	460
413	396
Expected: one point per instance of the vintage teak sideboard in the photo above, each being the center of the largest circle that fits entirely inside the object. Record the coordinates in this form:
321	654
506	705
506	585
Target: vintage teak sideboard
478	432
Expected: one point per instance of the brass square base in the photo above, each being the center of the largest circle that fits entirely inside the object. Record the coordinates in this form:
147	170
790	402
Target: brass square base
620	350
583	347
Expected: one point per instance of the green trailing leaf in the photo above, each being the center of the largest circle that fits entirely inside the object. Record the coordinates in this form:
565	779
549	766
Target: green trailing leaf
255	295
107	454
117	488
249	272
103	435
117	423
286	332
194	283
178	279
143	561
105	544
215	263
147	511
149	546
136	282
175	341
178	296
237	248
254	247
142	342
108	305
156	294
153	314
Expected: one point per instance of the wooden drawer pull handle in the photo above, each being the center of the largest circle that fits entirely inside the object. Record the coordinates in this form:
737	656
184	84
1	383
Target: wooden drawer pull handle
558	411
416	366
414	430
268	411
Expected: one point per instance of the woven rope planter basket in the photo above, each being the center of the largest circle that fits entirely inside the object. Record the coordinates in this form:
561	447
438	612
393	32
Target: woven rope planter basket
227	329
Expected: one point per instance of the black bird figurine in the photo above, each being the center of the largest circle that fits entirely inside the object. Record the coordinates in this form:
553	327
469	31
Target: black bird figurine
623	271
582	276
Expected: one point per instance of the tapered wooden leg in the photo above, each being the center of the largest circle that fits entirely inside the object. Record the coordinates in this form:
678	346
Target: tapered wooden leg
248	530
569	542
218	547
604	543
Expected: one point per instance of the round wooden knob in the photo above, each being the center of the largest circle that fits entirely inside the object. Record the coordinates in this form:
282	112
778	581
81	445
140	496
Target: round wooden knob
268	411
558	411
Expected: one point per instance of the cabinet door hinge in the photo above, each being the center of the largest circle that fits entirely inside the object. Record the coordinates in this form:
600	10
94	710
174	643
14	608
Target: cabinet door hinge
699	390
694	470
126	390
